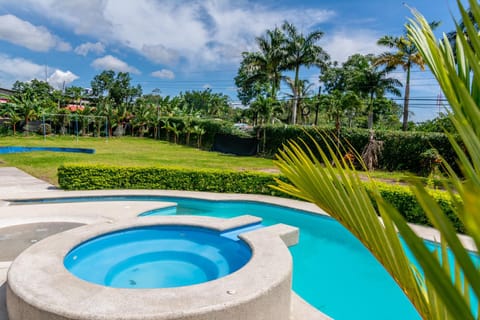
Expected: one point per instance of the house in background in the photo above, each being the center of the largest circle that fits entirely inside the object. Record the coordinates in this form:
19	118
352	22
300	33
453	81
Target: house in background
3	93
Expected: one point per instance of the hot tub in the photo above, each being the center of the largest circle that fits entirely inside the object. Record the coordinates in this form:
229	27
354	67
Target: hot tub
245	273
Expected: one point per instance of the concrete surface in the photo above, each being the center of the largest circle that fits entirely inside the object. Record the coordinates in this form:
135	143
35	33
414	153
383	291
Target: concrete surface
15	184
260	290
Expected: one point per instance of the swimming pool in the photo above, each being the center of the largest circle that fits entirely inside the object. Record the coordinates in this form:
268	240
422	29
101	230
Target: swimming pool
17	149
332	269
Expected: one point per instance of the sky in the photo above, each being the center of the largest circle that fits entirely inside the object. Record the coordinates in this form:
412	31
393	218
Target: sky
184	45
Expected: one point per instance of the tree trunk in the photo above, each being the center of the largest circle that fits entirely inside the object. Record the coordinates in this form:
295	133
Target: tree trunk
370	112
295	96
406	100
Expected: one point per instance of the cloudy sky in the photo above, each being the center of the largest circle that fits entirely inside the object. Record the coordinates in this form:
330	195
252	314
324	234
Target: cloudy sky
179	45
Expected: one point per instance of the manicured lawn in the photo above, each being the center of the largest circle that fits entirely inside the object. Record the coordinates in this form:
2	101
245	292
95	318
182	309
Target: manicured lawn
125	151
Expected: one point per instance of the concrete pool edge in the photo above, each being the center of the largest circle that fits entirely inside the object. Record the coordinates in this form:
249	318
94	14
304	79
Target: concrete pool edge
424	232
261	289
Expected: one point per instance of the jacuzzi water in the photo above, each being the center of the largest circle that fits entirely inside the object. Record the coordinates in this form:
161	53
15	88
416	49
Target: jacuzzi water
332	270
157	257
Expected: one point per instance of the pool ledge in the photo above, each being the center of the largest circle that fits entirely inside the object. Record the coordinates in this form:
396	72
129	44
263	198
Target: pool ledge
39	287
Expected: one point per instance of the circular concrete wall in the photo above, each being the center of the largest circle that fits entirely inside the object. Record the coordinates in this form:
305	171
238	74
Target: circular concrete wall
39	287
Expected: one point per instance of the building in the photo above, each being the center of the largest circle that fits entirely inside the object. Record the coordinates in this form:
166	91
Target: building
3	93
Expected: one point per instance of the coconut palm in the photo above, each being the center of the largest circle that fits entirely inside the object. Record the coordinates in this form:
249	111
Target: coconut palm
301	50
406	55
265	65
440	289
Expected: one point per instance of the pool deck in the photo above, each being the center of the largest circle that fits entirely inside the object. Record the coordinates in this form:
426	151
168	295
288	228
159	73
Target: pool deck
16	184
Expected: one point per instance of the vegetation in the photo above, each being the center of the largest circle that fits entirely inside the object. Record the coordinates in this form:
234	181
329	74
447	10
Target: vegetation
94	177
441	289
126	151
406	55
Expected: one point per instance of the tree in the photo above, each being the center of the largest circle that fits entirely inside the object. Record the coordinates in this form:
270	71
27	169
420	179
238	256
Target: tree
339	105
300	92
406	55
370	81
301	50
441	289
115	87
262	69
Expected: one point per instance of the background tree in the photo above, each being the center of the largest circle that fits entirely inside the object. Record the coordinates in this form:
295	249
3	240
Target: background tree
301	50
262	69
405	55
372	82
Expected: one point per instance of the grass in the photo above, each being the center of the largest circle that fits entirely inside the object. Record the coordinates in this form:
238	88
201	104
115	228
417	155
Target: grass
131	151
125	151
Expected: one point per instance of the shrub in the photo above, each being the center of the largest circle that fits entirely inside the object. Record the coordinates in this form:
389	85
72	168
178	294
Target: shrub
88	177
401	150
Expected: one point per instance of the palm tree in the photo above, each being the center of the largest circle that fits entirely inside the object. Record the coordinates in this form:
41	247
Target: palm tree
374	83
406	55
301	50
299	93
26	105
265	65
10	111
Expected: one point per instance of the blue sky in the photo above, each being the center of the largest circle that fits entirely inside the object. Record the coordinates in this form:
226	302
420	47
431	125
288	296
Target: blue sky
180	45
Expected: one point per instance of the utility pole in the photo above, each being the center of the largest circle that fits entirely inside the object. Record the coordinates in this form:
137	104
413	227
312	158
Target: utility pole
317	105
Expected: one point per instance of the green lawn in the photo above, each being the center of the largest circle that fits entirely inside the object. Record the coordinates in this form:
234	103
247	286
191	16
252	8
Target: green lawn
130	151
125	151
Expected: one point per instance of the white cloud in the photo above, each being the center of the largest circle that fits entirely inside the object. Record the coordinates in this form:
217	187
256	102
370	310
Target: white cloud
342	44
164	74
207	86
18	69
87	47
59	79
160	54
25	34
197	33
111	63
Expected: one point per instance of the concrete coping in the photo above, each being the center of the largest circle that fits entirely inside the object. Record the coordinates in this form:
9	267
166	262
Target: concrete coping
40	287
424	232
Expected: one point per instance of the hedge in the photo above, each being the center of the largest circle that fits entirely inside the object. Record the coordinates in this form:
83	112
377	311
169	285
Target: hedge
88	177
401	150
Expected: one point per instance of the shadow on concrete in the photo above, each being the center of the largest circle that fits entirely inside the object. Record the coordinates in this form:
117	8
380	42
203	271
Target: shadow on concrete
3	304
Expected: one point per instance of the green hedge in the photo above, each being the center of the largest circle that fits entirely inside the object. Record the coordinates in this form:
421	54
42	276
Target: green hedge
401	151
80	177
88	177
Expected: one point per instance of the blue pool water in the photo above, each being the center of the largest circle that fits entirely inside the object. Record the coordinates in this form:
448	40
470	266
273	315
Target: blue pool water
332	270
17	149
157	257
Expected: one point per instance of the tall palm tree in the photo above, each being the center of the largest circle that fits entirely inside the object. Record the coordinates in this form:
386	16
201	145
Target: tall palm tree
301	50
265	65
406	55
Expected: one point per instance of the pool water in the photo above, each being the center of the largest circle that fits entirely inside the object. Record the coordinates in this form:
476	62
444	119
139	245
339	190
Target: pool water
332	270
157	257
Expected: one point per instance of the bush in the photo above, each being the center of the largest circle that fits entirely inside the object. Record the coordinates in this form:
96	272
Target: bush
401	150
88	177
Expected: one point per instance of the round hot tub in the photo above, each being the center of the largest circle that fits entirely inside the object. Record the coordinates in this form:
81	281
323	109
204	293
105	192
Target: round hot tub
156	268
157	257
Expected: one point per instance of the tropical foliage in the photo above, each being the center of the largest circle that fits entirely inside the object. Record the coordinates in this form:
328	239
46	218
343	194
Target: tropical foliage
440	289
406	55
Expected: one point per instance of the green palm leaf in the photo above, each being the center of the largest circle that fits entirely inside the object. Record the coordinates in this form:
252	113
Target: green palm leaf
440	289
